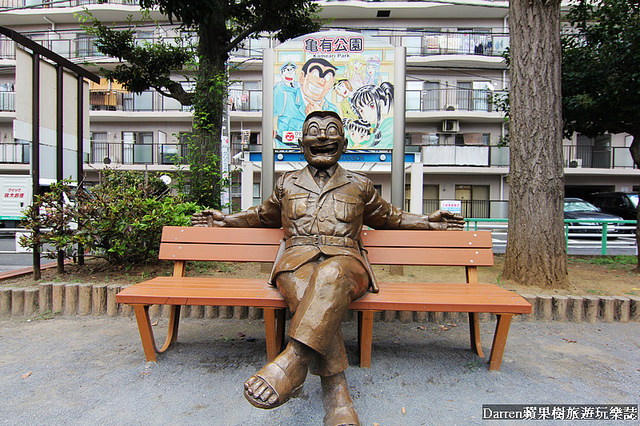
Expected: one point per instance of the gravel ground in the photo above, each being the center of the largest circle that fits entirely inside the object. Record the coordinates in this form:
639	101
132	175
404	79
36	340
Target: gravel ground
86	370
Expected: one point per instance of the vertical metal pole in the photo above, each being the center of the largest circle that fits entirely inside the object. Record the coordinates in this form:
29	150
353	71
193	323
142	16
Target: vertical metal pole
79	153
59	142
267	180
35	150
59	117
397	156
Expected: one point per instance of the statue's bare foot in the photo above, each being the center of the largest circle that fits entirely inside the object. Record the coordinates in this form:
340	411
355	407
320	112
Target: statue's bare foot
338	407
274	384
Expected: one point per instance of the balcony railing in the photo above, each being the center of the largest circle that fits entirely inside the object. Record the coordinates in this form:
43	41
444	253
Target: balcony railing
39	4
450	99
417	43
7	101
597	157
130	153
146	101
15	153
455	43
498	156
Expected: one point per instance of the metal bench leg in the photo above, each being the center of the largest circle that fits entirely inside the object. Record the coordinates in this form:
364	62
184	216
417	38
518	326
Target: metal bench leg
365	337
172	332
474	331
499	341
146	333
274	319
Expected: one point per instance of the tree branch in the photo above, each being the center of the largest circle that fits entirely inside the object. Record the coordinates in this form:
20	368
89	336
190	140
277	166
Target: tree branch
240	37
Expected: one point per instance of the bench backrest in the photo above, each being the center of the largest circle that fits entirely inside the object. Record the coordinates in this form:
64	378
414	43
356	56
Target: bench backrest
385	247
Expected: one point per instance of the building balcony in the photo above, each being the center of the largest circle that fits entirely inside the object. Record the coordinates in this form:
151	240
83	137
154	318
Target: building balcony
48	4
134	102
451	99
7	101
165	154
15	153
574	157
455	43
121	152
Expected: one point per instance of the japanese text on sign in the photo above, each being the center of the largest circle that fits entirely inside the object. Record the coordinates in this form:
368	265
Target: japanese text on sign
334	44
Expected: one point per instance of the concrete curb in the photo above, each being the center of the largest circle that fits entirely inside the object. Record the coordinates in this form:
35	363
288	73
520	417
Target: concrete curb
100	299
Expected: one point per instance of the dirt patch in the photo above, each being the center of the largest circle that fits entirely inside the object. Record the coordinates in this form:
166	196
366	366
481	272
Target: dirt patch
595	275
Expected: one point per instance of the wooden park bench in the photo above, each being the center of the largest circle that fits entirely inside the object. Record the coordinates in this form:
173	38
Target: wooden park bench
468	249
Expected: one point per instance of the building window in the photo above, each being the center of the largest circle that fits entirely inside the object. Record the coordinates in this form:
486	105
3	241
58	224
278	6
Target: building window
475	200
256	194
137	147
245	96
99	148
430	198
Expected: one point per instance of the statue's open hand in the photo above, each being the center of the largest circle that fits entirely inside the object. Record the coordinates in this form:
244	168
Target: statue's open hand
208	218
444	220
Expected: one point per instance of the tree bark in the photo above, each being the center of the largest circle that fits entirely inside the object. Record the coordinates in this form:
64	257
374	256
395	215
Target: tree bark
634	149
536	251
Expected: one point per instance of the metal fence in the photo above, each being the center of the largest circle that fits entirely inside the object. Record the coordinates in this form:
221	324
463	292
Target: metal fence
598	236
473	208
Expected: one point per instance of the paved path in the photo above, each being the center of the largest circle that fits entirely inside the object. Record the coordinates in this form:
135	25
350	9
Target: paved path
86	370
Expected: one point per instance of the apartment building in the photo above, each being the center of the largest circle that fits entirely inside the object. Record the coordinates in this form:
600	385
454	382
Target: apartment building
454	132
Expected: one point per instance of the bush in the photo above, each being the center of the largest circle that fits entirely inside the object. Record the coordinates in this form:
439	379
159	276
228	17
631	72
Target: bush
53	218
122	218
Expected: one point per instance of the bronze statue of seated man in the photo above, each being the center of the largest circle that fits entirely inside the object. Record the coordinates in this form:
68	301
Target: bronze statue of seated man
321	267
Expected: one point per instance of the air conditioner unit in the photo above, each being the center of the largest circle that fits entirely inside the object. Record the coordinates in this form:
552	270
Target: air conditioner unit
450	126
575	163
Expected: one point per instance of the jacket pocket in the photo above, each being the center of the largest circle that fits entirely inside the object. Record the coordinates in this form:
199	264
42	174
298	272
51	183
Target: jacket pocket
296	205
347	208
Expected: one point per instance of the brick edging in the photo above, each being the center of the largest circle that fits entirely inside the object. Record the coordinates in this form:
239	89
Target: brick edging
100	299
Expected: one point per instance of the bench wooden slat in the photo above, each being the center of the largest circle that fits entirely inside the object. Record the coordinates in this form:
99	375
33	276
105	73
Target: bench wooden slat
443	239
377	255
221	252
429	256
392	296
260	236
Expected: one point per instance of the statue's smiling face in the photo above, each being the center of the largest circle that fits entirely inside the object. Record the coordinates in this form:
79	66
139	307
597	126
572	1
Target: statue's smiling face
323	140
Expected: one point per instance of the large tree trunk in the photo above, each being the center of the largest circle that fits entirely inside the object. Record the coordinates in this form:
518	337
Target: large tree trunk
209	105
536	252
635	154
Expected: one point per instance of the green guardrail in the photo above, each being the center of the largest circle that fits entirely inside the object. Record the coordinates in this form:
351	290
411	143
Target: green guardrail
593	223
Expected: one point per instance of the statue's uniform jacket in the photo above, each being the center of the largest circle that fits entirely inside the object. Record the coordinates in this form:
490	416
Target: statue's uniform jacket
323	221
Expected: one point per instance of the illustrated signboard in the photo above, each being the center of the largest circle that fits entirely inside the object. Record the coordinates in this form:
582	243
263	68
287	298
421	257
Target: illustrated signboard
338	71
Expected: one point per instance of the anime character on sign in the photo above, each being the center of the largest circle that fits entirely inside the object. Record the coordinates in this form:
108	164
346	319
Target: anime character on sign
343	91
316	81
373	70
358	133
372	103
356	71
288	105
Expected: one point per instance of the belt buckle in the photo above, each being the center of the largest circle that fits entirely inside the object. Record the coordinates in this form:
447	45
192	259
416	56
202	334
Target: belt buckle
315	240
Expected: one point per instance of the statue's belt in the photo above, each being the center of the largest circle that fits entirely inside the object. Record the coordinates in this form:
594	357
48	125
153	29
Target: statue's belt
320	240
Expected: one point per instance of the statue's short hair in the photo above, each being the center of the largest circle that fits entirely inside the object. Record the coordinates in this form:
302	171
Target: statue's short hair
323	114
